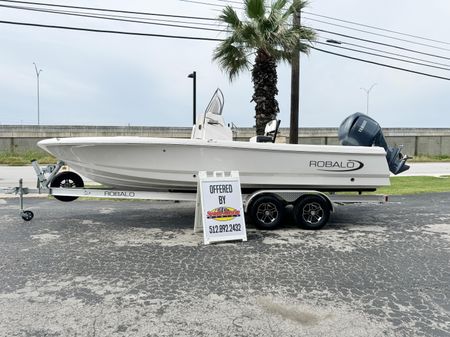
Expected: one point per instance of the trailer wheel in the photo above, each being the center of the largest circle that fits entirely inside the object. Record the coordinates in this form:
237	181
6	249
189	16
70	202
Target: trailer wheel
267	212
66	180
311	212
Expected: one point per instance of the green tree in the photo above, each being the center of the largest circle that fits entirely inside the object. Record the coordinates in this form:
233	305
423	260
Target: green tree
267	34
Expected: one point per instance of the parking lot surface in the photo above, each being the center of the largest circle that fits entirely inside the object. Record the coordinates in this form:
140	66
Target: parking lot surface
116	268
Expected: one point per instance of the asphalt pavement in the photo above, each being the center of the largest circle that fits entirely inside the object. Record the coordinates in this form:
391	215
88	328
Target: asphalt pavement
106	268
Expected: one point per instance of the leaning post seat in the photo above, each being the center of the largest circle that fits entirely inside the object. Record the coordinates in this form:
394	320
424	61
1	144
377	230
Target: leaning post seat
270	133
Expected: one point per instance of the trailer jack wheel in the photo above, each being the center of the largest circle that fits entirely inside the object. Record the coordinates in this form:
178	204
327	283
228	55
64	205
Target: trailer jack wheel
66	180
27	215
311	212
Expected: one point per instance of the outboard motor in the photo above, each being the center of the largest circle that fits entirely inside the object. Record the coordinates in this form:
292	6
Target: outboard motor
361	130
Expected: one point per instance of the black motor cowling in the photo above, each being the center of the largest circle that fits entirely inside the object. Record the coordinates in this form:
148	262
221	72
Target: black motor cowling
361	130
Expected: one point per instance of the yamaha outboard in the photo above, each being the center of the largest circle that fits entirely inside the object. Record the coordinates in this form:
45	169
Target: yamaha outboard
361	130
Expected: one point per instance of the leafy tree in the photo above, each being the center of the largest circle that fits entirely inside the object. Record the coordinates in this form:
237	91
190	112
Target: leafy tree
267	34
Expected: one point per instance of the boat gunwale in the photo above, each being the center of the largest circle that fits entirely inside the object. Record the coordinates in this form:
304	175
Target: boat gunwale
136	140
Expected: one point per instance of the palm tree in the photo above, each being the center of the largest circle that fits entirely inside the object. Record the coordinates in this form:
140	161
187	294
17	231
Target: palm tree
268	34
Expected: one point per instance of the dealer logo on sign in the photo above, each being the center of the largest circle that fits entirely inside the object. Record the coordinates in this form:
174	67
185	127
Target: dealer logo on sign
223	214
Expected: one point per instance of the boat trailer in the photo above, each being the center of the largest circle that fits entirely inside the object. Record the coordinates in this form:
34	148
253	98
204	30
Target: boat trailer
266	208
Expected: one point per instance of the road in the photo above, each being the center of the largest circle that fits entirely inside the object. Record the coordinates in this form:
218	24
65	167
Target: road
105	268
428	169
10	175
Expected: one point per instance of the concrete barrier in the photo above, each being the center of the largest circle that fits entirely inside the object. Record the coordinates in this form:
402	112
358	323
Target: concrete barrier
416	141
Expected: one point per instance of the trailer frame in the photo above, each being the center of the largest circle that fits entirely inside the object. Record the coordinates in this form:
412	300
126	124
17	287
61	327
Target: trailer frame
286	197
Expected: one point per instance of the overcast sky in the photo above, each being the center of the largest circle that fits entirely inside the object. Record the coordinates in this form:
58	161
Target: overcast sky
105	79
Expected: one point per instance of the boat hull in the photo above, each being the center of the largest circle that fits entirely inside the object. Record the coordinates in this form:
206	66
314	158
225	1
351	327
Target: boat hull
173	164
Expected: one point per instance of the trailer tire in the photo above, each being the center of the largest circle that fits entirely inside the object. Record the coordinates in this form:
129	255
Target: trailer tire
66	180
312	212
267	212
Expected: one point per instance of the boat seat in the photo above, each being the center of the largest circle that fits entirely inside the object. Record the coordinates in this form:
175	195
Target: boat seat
263	139
270	133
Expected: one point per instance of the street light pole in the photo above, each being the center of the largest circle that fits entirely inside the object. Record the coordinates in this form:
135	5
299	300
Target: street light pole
194	112
368	93
37	78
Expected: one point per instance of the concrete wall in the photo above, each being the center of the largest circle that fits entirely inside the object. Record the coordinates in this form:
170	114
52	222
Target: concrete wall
416	141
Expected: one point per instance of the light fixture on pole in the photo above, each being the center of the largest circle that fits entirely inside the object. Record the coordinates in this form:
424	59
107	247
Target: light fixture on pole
367	91
37	78
334	41
194	77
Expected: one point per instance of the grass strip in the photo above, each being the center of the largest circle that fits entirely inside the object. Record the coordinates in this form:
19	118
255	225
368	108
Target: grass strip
416	185
25	158
427	159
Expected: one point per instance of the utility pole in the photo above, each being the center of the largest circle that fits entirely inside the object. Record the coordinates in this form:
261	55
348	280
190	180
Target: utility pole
295	88
37	78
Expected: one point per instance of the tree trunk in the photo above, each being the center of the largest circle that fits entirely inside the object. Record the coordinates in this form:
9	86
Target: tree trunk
264	77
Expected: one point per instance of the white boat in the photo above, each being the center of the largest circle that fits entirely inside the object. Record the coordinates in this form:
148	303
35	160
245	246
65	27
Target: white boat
171	164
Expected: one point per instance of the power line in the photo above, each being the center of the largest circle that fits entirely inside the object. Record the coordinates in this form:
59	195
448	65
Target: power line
385	52
337	25
201	39
110	31
379	55
200	18
377	34
205	3
374	27
114	16
204	38
231	2
109	10
82	14
381	43
381	64
357	24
